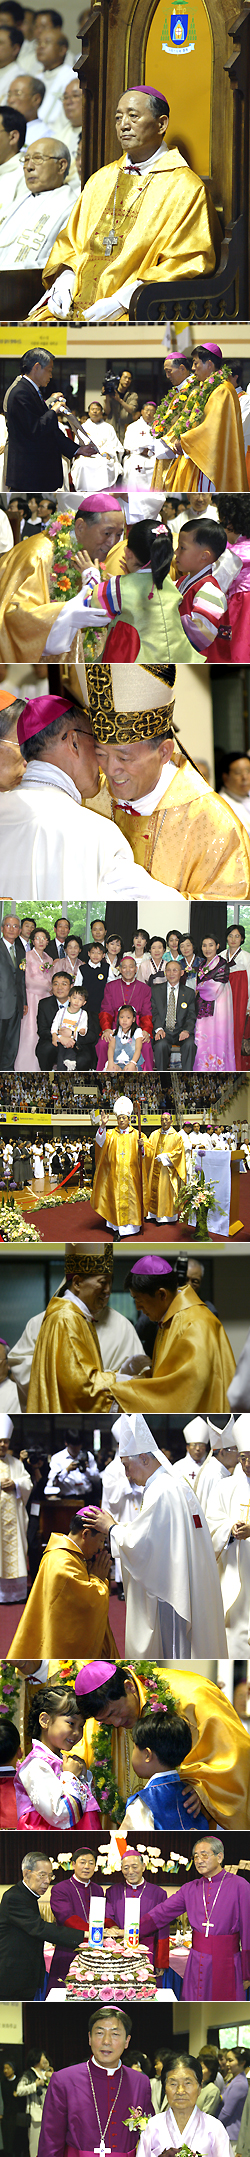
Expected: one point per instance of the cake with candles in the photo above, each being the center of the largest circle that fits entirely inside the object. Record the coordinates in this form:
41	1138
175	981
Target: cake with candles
111	1973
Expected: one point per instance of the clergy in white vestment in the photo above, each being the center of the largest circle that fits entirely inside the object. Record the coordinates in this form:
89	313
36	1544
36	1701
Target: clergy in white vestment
119	1498
118	1342
139	447
216	1469
57	845
15	1488
239	1390
106	465
197	1447
170	1578
231	1511
32	224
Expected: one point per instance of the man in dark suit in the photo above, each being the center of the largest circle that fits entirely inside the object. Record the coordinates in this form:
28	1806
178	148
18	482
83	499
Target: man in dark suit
173	1014
12	993
56	946
36	444
47	1009
94	972
23	1931
26	930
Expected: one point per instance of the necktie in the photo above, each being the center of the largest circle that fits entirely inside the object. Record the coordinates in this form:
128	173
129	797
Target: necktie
171	1011
61	951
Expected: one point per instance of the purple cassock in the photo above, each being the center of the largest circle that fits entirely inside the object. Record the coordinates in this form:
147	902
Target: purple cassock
70	1902
215	1967
121	992
70	2122
153	1910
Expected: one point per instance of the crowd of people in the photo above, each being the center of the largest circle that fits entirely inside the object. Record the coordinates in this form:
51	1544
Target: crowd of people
40	133
97	1007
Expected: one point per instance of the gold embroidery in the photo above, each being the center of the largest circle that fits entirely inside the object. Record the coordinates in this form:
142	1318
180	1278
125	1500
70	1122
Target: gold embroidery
109	725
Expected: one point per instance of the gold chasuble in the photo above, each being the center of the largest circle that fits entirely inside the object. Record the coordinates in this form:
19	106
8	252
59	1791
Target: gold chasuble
65	1606
26	613
117	1187
192	840
192	1364
165	226
67	1370
215	446
163	1183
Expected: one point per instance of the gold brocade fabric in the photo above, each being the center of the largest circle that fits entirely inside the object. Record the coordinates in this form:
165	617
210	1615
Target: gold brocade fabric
165	225
192	1364
88	1263
193	841
111	725
26	613
215	447
163	1183
67	1373
9	1565
116	1190
64	1607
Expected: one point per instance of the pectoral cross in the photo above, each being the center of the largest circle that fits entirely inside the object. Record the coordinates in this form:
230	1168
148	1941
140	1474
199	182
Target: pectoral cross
206	1929
108	245
102	2149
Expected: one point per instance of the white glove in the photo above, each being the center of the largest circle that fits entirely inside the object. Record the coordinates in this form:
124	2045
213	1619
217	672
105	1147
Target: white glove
104	310
60	295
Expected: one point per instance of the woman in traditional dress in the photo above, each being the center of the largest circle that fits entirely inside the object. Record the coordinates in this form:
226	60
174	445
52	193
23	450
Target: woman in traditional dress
182	2123
214	1031
39	975
50	1790
201	431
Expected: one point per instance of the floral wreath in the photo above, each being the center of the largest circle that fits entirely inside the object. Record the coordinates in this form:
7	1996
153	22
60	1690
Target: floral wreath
187	407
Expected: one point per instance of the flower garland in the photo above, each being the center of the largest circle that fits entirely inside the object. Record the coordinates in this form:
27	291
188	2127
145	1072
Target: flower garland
186	407
65	576
9	1690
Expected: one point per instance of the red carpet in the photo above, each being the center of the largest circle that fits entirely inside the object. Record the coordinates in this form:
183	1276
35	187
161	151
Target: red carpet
10	1614
61	1224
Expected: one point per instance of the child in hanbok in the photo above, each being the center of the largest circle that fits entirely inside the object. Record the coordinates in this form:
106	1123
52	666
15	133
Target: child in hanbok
48	1793
161	1742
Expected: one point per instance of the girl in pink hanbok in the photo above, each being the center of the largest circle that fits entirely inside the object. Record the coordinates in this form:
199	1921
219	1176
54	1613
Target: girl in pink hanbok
39	974
214	1031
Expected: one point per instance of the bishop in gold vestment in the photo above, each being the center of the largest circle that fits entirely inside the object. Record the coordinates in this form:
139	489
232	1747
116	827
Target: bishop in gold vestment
163	1182
192	1364
165	226
66	1606
214	447
191	840
218	1767
117	1182
67	1372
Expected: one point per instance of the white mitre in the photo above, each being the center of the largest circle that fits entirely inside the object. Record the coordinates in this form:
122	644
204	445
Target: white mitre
6	1426
222	1439
123	1106
196	1430
242	1434
134	1437
145	692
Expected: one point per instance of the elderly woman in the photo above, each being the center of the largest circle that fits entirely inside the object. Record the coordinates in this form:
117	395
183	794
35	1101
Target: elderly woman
181	2122
214	1031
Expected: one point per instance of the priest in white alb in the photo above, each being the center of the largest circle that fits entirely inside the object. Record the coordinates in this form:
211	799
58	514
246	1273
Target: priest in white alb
170	1579
15	1489
230	1508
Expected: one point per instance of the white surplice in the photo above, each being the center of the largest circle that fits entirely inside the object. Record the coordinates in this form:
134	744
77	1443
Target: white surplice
13	1530
170	1575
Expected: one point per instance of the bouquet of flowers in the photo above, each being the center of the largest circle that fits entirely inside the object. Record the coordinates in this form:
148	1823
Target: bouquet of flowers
13	1227
186	407
197	1197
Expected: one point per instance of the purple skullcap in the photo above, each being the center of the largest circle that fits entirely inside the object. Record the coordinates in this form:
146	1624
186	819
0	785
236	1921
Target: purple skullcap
88	1512
92	1675
97	503
148	91
151	1266
214	349
41	712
